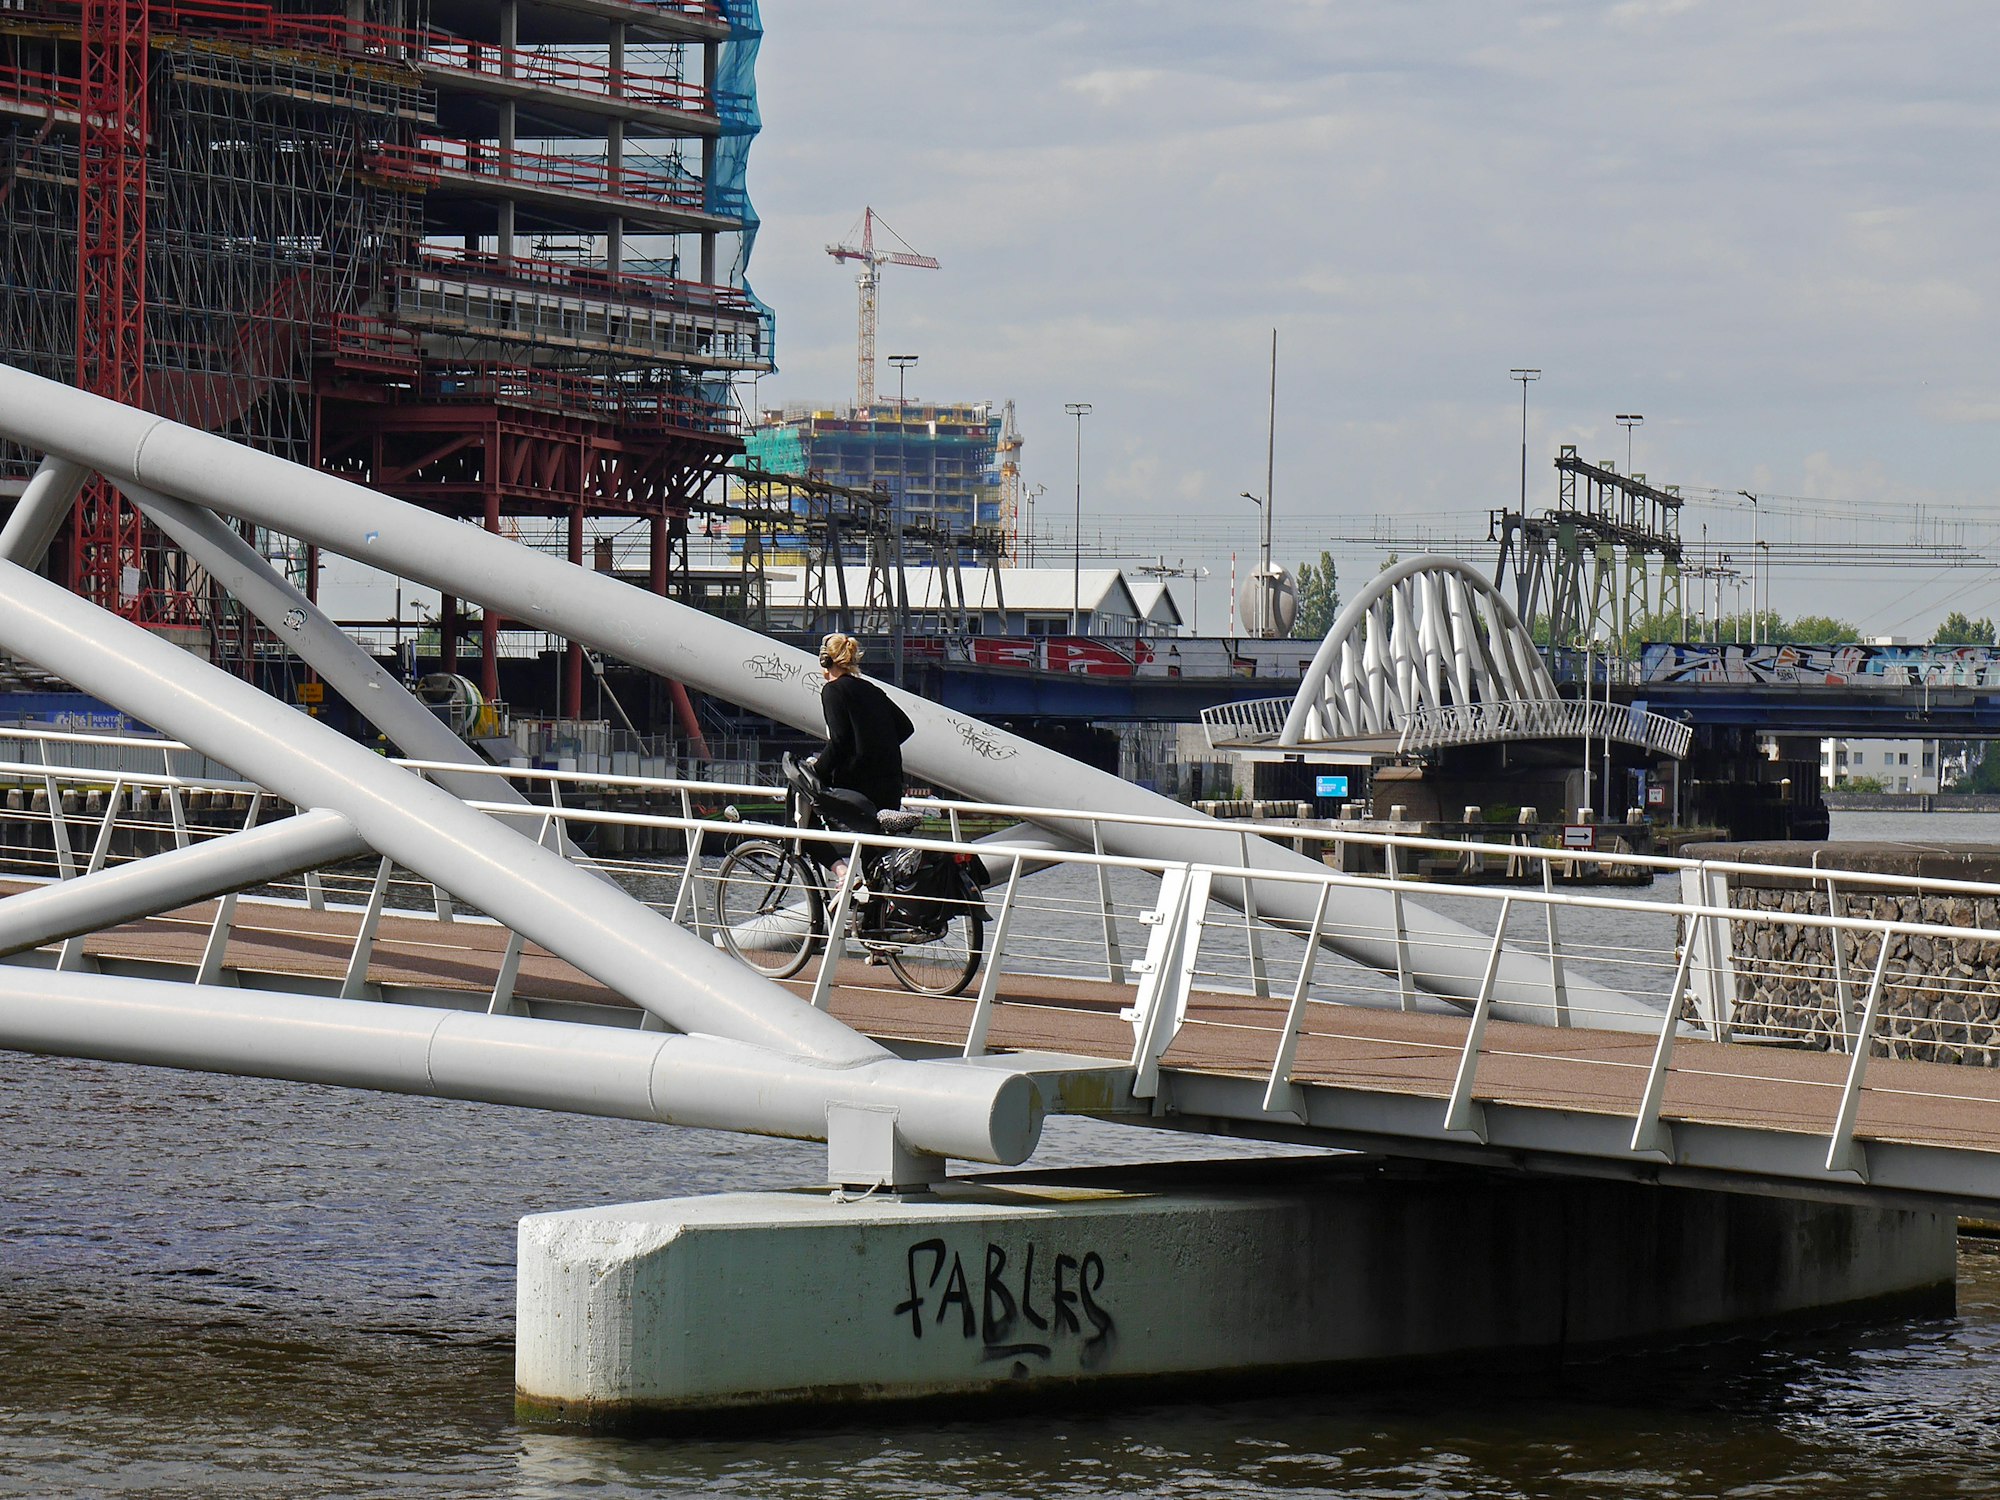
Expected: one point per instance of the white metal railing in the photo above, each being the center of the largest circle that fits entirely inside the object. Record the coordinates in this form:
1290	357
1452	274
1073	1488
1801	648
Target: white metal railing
1542	719
1262	721
1920	972
1251	722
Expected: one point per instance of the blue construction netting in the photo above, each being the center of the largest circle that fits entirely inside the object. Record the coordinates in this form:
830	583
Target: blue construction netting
728	193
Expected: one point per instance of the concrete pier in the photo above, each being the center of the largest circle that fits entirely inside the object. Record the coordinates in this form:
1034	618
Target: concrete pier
1198	1273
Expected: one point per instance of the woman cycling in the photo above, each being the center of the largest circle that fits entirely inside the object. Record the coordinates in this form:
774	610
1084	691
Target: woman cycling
864	730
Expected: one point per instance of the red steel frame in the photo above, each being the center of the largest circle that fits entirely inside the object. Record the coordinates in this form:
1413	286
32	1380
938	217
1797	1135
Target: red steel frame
106	534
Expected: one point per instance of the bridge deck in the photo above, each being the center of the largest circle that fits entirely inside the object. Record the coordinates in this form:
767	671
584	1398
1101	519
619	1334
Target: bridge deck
1231	1035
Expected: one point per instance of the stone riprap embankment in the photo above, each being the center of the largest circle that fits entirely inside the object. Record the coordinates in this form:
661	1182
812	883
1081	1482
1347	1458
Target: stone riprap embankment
1941	994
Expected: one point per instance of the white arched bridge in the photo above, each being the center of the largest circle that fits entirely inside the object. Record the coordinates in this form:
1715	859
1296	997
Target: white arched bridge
1430	656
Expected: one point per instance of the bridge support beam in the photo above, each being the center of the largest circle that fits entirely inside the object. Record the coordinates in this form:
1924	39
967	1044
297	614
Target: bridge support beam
921	1109
1193	1274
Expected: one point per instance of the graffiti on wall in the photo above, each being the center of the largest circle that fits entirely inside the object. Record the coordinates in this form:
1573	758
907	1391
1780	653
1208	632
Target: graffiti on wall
1015	1312
1844	665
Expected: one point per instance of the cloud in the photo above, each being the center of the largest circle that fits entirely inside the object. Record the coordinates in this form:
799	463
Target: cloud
1765	226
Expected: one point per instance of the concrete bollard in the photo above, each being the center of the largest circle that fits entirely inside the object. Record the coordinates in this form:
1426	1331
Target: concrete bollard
1518	864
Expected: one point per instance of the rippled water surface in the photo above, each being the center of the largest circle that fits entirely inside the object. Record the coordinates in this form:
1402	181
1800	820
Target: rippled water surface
215	1286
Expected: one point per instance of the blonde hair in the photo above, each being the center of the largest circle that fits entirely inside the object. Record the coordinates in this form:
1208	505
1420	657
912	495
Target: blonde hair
841	652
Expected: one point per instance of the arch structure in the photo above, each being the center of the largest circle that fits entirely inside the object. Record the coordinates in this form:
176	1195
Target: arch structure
1430	655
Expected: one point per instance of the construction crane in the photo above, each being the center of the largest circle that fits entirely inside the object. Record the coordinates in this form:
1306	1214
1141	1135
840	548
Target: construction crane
872	260
1009	454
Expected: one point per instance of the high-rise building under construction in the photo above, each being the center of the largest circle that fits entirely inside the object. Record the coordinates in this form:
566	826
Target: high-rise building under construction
935	464
485	255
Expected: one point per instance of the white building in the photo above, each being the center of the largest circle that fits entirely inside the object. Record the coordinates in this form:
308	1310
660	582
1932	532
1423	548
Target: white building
1900	765
1005	601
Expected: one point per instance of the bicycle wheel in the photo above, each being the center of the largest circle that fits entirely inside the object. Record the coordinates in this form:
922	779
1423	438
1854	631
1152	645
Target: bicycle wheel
934	960
768	908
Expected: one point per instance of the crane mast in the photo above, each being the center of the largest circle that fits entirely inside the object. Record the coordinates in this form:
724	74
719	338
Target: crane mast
872	260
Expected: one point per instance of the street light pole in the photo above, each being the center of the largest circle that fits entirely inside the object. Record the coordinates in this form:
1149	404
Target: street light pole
1756	547
1628	420
1079	410
899	618
1524	376
1261	626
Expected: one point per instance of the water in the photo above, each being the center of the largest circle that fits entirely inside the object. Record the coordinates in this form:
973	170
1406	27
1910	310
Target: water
222	1286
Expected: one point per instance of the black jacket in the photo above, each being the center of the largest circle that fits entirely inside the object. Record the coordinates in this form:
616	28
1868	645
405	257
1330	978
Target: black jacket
864	738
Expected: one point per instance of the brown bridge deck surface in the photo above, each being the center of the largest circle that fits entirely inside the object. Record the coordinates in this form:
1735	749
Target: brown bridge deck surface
1352	1047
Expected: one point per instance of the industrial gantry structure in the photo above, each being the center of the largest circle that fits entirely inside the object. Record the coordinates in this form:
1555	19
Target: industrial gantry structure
1607	557
486	257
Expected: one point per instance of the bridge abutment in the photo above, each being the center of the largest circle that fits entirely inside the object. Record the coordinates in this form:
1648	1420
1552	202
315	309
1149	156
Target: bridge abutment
1057	1285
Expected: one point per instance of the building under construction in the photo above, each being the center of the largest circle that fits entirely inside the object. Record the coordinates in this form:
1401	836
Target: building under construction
485	255
936	464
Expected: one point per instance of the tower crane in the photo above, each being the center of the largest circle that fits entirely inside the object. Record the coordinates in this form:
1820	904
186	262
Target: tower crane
872	260
1009	454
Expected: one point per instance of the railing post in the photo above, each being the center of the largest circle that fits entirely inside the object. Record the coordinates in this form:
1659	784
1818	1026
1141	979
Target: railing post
100	847
502	1002
1464	1114
1558	987
1406	989
217	946
836	929
1114	955
58	824
1649	1132
177	804
1843	1152
684	898
364	935
1843	997
1166	973
556	809
989	982
71	955
1253	926
1281	1095
1722	952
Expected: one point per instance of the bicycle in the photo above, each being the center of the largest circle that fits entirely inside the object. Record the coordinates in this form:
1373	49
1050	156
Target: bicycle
920	911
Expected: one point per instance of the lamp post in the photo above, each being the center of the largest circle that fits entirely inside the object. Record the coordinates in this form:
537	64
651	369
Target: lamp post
1628	420
1756	547
1262	578
1079	410
899	620
1524	376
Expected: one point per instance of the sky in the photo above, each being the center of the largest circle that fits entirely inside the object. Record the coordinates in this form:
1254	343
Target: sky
1767	227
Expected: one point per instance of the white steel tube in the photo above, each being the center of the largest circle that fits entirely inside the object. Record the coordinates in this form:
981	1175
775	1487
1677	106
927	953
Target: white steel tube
678	642
296	621
618	941
944	1109
39	513
176	877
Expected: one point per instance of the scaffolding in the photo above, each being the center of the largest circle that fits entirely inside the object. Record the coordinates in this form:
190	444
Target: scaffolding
487	257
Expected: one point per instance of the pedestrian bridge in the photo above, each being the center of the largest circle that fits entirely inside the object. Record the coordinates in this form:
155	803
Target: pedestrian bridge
1427	657
1121	986
431	925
